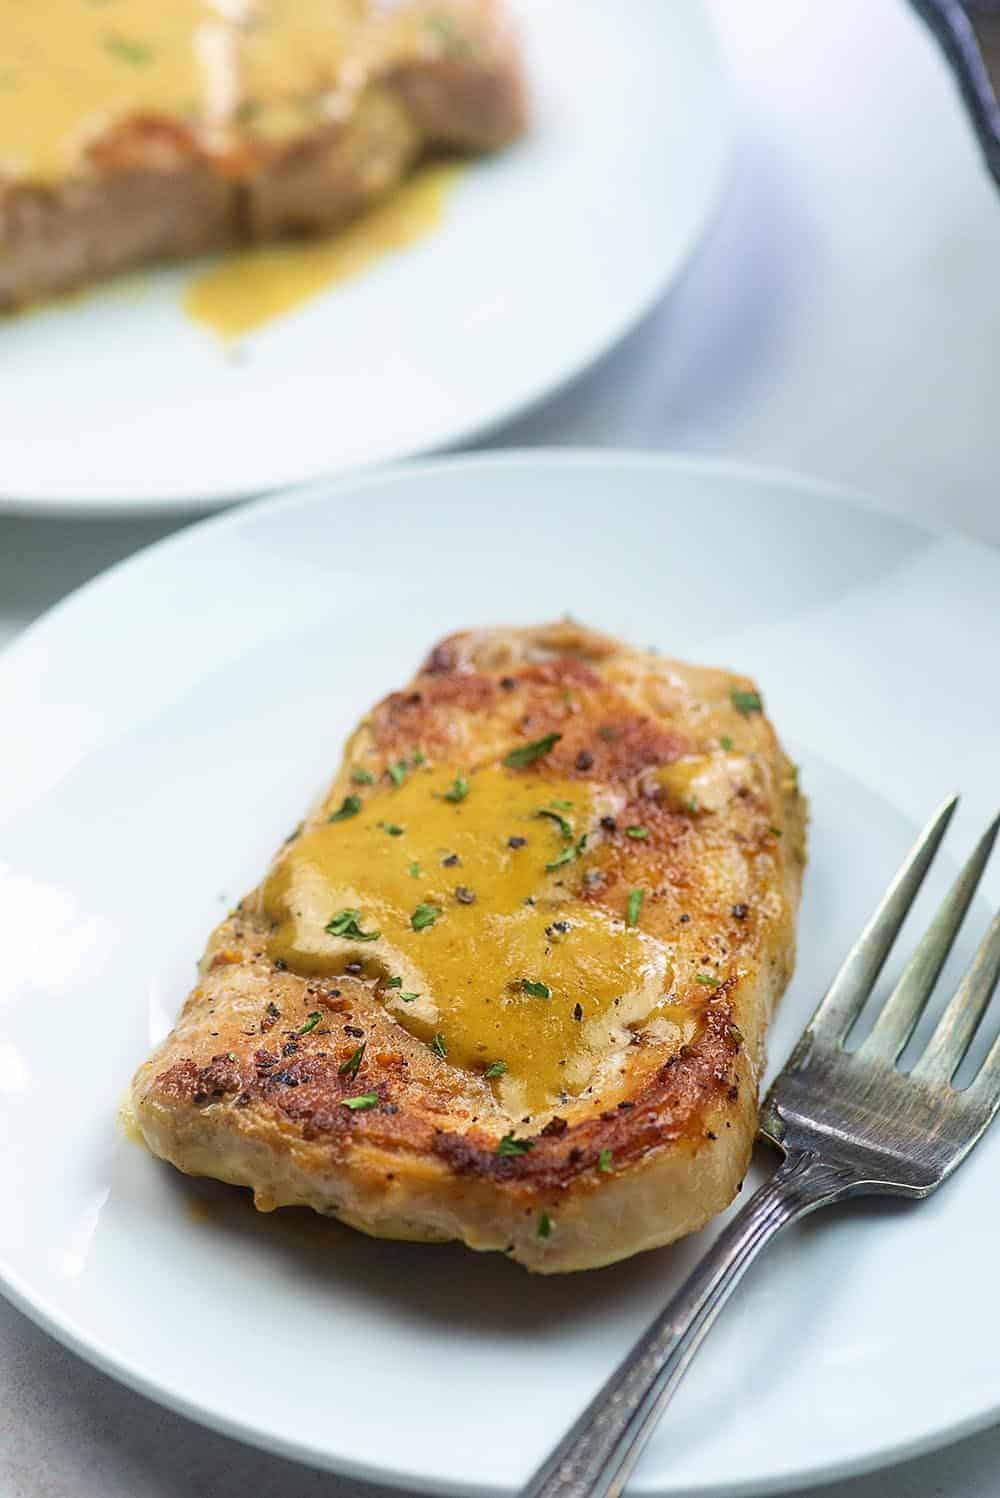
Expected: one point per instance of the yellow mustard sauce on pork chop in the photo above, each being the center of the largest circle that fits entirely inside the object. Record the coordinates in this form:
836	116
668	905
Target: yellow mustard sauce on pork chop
464	893
73	70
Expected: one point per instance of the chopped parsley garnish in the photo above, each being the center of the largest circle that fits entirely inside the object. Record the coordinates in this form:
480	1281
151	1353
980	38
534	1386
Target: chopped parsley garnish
562	805
566	828
707	979
393	982
692	804
362	1101
458	790
536	990
438	1046
604	1160
349	807
310	1023
575	850
137	53
231	1055
528	753
726	742
362	777
746	702
349	1068
544	1225
776	831
345	923
414	871
635	899
418	759
424	916
392	828
637	832
407	998
509	1146
496	1070
397	772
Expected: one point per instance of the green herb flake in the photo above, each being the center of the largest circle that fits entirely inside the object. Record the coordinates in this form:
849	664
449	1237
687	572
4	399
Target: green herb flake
126	50
575	850
418	759
346	924
545	1226
393	983
509	1146
458	791
392	828
231	1055
310	1023
517	759
424	916
605	1161
361	1102
349	1068
397	772
707	979
438	1046
496	1070
414	871
566	828
637	832
536	990
746	702
635	899
349	807
692	804
407	998
776	831
726	742
362	777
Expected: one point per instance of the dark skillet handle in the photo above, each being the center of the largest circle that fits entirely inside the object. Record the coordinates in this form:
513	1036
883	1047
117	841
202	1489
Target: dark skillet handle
969	34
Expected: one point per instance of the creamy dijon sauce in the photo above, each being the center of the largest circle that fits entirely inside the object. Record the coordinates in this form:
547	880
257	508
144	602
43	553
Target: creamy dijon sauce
470	967
71	69
252	287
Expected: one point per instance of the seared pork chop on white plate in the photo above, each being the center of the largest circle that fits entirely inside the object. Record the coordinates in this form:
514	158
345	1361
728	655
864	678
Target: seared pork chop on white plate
179	718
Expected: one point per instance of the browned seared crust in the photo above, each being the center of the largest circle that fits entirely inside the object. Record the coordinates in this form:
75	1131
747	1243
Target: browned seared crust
153	189
236	1093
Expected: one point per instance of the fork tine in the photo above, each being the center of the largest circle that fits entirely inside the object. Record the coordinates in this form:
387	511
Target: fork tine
960	1021
906	1003
846	995
984	1089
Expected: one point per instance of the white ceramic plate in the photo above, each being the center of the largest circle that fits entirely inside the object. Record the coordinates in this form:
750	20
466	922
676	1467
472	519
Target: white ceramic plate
171	720
548	254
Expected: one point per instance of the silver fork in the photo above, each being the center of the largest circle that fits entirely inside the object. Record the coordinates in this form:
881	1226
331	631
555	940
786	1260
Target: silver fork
848	1123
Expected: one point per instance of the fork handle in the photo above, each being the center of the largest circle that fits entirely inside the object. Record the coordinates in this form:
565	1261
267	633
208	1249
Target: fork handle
596	1457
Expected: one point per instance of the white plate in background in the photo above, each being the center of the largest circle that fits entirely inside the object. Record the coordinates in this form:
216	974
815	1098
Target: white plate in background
171	721
549	252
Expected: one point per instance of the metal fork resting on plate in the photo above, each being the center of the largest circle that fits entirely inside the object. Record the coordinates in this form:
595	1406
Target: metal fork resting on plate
848	1123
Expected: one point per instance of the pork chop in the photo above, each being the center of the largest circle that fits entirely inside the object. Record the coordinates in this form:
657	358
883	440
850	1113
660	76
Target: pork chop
136	130
509	982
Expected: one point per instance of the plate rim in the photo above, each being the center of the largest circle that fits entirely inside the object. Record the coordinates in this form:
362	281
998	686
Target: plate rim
62	501
93	1349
